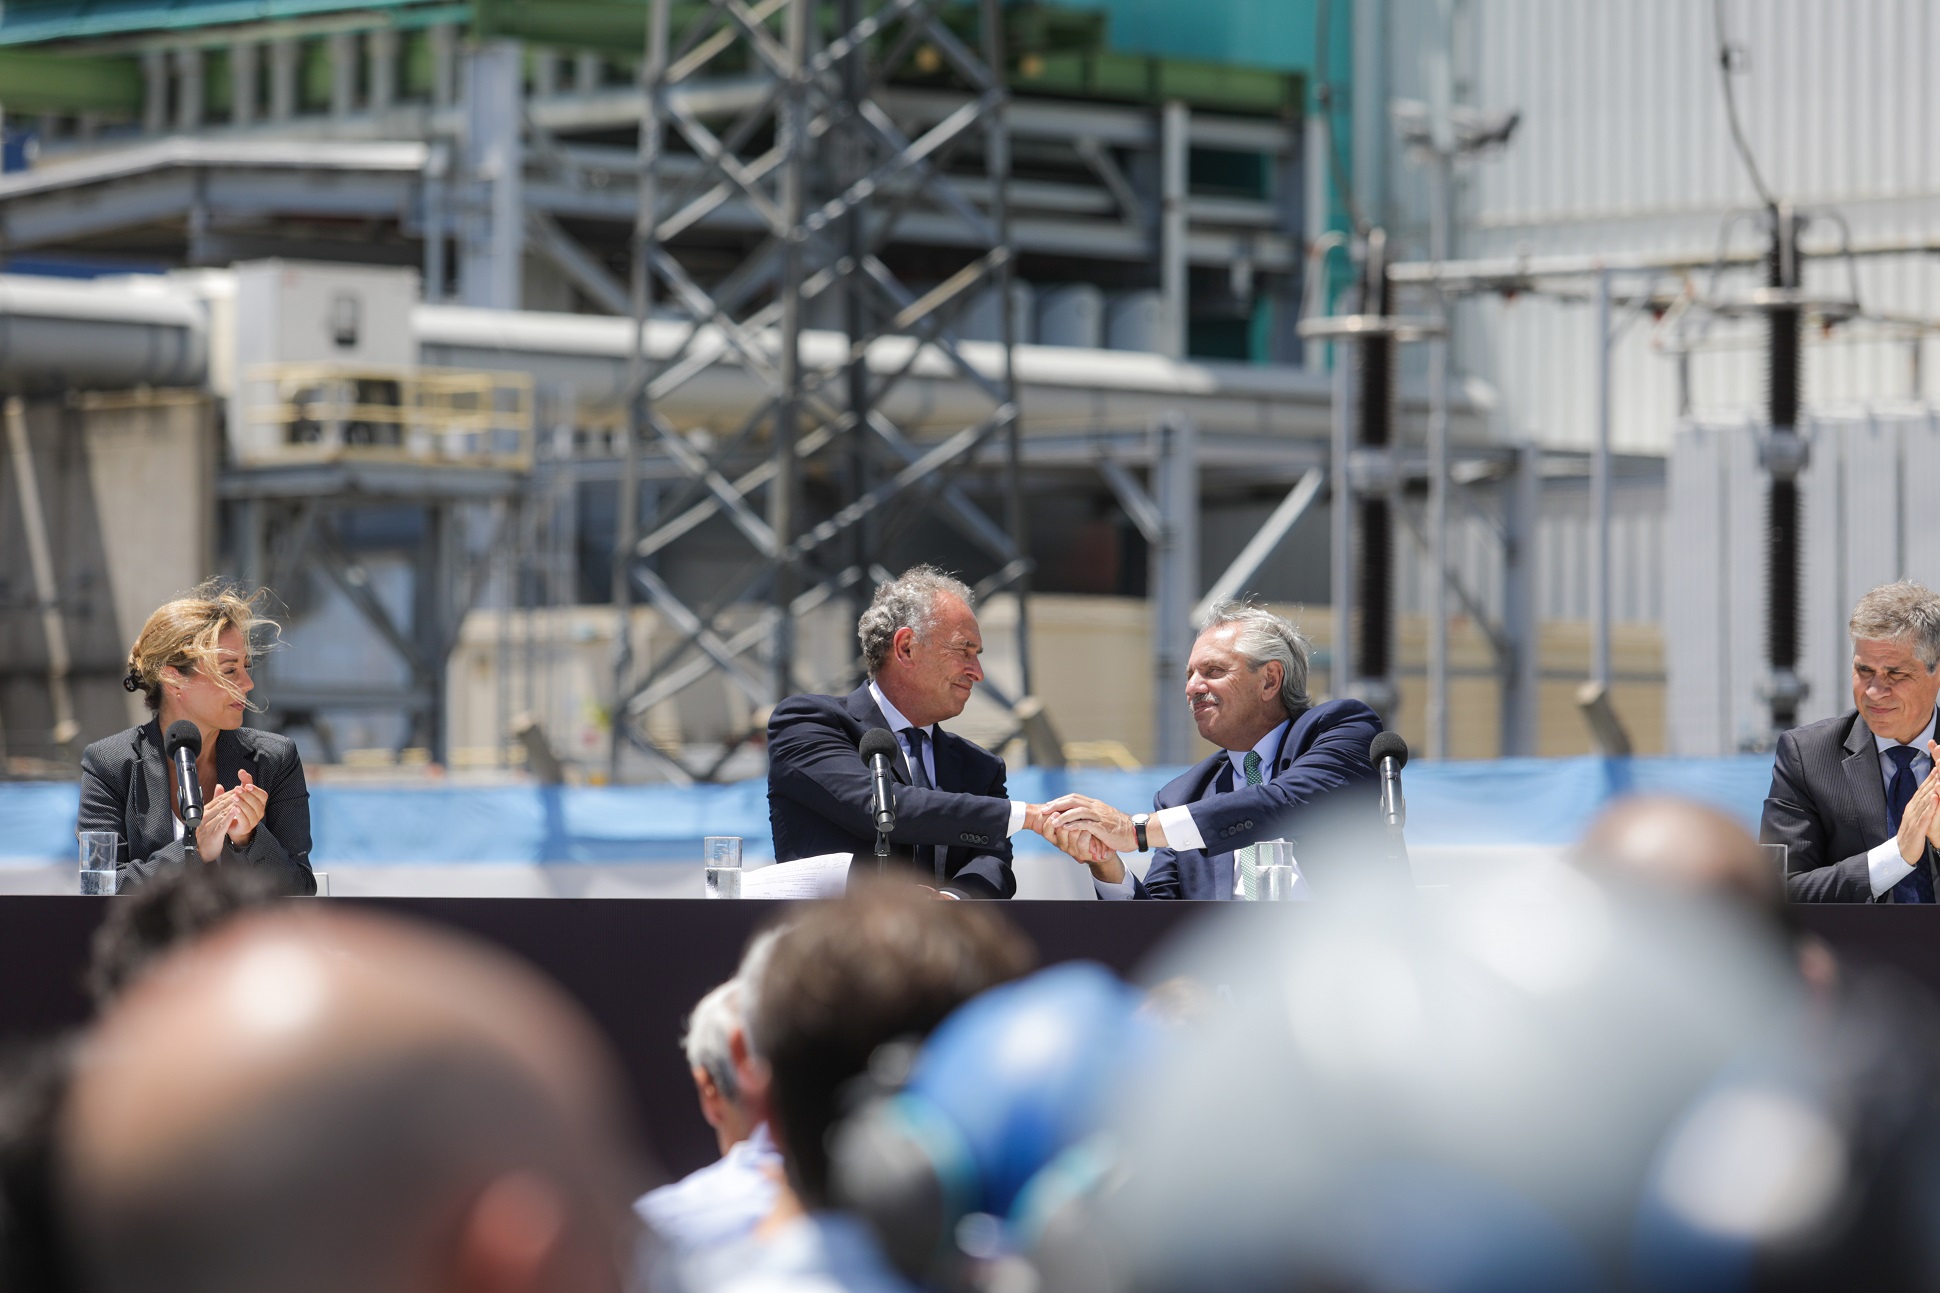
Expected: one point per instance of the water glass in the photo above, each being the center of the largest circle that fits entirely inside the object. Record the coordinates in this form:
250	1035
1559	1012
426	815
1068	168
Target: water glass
1277	874
721	855
1780	856
323	883
100	850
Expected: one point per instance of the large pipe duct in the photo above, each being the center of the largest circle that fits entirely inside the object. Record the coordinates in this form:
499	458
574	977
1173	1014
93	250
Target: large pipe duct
110	334
107	334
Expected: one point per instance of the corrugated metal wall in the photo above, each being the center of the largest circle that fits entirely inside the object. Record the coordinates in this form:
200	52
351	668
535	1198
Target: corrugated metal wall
1867	522
1624	146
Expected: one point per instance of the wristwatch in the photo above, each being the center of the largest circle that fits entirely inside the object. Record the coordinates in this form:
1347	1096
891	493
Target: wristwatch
1138	830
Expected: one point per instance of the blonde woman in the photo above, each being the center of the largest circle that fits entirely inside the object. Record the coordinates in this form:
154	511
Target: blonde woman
192	662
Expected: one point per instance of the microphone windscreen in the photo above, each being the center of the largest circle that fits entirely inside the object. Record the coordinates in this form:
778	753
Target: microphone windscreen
1389	745
183	733
878	740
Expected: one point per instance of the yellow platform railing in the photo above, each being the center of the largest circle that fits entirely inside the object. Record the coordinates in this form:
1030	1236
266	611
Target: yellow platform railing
312	412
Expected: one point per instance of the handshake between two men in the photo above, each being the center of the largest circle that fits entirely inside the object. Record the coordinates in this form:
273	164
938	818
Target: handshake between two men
1281	758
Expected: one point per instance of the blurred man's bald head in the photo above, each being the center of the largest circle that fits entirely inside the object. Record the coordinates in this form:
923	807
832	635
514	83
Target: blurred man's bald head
1684	845
317	1100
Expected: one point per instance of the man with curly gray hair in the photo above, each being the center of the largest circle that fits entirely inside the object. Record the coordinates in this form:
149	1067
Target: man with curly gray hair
1286	769
920	645
1855	798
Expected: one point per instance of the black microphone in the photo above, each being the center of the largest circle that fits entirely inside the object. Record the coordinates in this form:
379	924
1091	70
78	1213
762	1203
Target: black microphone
1390	754
184	744
879	750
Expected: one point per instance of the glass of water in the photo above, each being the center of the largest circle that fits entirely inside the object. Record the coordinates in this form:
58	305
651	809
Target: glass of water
1277	875
721	854
100	850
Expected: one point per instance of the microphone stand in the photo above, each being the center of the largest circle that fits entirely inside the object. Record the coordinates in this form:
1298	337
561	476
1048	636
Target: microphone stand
882	854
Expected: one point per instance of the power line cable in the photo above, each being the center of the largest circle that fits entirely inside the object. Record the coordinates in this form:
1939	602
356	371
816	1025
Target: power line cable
1731	109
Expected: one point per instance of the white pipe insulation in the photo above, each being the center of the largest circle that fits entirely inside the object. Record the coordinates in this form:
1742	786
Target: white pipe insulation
116	333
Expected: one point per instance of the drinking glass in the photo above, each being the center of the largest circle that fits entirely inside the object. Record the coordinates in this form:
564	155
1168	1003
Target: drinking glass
1780	856
323	883
721	854
1277	875
100	850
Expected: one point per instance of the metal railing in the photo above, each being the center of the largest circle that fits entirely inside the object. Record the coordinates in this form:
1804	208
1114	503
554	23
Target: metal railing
303	413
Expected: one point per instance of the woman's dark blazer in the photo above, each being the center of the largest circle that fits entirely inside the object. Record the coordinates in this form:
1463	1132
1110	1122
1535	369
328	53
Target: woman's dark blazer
124	789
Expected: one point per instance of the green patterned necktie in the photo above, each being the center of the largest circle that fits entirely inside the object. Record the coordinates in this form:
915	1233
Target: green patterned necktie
1248	858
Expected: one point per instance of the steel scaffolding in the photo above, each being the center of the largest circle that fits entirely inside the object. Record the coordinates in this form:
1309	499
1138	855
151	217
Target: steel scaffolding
830	175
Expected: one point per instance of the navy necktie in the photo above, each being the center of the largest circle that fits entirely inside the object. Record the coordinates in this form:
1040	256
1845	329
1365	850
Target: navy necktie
1917	887
925	855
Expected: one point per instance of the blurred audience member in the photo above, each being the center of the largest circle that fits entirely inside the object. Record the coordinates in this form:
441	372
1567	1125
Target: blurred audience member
883	965
174	907
1855	798
321	1102
725	1200
32	1257
1688	847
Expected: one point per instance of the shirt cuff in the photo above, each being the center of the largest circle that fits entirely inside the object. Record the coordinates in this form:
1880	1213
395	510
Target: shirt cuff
1123	889
1017	807
1886	866
1181	832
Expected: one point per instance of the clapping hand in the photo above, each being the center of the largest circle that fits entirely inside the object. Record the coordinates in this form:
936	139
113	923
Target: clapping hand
1920	823
232	815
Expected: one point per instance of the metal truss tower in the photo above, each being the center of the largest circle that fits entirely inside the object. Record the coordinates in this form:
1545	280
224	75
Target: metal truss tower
810	153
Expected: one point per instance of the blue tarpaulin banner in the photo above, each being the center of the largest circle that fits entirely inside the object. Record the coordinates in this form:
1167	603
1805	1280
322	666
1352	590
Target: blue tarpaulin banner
1485	802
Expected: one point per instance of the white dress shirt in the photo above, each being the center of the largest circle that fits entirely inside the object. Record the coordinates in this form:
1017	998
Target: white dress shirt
1182	832
1883	861
901	726
722	1202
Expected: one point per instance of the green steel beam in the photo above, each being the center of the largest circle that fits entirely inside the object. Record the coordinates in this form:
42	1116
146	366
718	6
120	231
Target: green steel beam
31	82
34	22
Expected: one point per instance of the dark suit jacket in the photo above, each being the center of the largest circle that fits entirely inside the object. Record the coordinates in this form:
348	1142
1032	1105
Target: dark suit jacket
1321	777
819	795
1828	802
124	789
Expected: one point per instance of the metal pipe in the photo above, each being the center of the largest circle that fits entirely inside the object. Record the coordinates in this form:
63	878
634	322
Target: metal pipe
1784	459
626	536
1492	272
795	145
1374	511
40	559
1175	579
1175	126
1600	496
1341	523
997	172
1439	185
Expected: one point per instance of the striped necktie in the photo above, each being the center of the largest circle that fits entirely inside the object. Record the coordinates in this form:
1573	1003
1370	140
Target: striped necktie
1247	860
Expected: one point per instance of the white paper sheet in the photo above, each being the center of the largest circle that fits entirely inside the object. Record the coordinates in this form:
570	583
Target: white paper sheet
826	876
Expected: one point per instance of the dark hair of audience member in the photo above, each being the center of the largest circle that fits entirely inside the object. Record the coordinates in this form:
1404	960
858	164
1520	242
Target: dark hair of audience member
171	909
887	962
32	1256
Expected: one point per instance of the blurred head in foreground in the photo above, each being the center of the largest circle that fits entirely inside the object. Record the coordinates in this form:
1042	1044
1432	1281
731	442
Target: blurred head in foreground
314	1101
1544	1083
1686	847
172	908
887	962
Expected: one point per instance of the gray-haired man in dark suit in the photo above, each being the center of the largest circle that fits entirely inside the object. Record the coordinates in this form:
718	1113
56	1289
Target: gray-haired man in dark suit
1855	797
